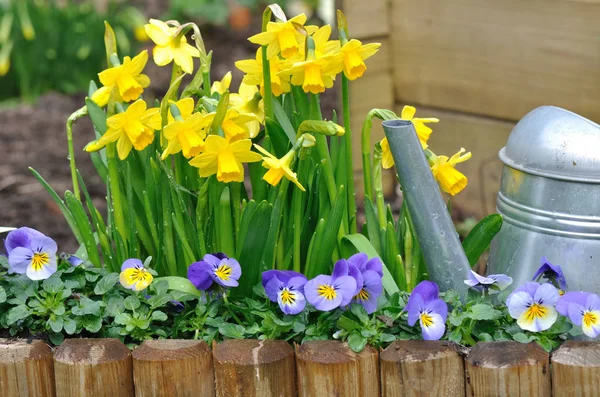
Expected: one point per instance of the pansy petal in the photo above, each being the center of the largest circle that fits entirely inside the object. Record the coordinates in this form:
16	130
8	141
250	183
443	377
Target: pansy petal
435	329
579	297
272	288
538	323
340	268
20	237
297	283
593	302
44	272
518	303
437	306
359	260
575	313
413	307
200	274
132	263
19	259
547	294
376	265
296	303
591	328
346	287
428	290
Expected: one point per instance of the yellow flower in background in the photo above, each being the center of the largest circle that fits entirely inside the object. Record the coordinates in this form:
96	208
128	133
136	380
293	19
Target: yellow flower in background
278	168
313	75
281	37
254	74
140	34
5	57
127	78
186	136
423	132
221	86
169	47
354	54
451	181
225	158
133	128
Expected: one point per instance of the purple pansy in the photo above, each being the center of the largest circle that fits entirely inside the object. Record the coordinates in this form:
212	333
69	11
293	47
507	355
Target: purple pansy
532	305
20	237
493	284
326	293
425	305
552	273
72	259
583	309
371	286
31	253
286	288
214	268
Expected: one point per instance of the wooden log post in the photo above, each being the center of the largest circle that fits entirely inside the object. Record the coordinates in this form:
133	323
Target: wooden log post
253	368
26	369
422	368
181	368
93	367
330	368
576	369
507	369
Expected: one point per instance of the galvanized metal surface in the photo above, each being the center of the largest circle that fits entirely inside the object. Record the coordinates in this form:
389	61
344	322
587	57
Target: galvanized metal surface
446	261
550	199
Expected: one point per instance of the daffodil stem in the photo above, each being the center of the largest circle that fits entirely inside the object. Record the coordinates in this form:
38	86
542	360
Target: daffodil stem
378	186
349	169
366	155
268	94
70	121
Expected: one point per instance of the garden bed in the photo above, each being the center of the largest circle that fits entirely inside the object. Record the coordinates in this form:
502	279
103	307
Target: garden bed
105	367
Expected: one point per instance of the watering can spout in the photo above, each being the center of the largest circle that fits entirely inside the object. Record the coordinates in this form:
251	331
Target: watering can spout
444	256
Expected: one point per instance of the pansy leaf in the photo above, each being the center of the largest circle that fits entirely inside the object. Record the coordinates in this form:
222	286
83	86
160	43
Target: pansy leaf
106	283
357	342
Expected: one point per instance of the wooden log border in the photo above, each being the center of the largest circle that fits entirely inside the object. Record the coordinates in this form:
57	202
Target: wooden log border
252	368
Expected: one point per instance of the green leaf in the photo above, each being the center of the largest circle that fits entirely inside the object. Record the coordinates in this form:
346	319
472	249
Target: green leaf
106	283
233	331
353	243
2	294
180	284
132	302
98	117
70	326
481	236
348	324
360	312
357	342
284	121
53	285
522	338
17	313
55	323
92	324
481	311
157	315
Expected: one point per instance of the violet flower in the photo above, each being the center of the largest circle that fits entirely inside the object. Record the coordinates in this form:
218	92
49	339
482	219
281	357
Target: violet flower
425	305
583	309
326	293
214	268
285	287
72	259
372	286
532	305
492	284
31	253
552	273
134	275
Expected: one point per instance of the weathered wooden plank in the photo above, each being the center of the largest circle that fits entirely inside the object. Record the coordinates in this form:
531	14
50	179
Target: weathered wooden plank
26	369
367	18
330	368
253	368
497	58
422	368
576	369
507	369
181	368
93	367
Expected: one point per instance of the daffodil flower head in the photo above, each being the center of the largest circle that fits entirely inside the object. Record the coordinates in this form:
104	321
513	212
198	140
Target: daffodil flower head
134	275
322	45
354	53
278	168
451	181
185	106
225	158
314	75
186	136
127	78
281	37
221	86
248	100
254	73
134	128
170	46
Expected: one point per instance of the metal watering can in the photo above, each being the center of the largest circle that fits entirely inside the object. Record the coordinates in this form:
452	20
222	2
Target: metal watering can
549	199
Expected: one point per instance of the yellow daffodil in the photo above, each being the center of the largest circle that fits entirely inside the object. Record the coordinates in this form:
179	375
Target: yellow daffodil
248	100
185	106
281	37
126	78
354	54
221	86
323	46
314	75
238	125
225	158
423	132
254	73
186	136
278	168
451	181
133	128
170	47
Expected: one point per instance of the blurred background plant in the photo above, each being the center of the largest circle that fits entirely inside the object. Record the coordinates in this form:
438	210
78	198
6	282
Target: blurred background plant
47	45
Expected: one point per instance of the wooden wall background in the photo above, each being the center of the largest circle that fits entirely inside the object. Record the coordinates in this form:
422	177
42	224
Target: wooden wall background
480	66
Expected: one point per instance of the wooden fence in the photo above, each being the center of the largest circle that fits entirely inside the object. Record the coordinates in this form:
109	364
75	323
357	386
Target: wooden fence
479	66
252	368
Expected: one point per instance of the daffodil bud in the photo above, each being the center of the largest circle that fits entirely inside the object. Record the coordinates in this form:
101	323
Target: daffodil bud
26	26
321	127
342	27
5	57
307	140
175	112
5	27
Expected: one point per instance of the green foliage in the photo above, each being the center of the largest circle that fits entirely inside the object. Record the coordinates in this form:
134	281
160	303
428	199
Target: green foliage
65	52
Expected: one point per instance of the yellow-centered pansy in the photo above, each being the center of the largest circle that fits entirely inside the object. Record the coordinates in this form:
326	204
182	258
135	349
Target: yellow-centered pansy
225	158
134	128
186	136
451	181
281	37
170	47
278	168
127	78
